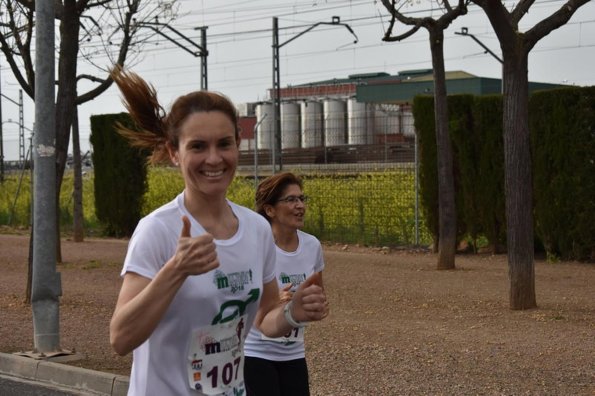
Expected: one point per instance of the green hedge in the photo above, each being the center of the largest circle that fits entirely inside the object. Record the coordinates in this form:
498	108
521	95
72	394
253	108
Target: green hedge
487	124
423	114
562	126
464	145
120	175
459	108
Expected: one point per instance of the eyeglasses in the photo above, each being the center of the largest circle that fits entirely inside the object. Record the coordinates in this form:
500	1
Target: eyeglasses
293	199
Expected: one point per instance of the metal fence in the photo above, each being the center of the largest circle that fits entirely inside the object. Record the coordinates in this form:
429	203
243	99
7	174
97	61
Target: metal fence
359	168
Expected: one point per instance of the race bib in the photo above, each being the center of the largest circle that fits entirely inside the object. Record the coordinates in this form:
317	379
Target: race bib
216	359
295	335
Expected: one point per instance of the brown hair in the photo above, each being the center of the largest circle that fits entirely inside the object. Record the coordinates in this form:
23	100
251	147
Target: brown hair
155	127
271	188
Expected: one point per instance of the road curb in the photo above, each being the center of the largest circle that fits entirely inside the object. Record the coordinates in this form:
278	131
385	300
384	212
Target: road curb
64	375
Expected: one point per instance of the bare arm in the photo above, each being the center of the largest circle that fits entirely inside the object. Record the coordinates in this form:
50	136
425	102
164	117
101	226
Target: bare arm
309	304
142	302
269	318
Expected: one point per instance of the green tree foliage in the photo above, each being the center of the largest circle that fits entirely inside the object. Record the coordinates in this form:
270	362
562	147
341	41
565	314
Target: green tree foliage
563	138
120	176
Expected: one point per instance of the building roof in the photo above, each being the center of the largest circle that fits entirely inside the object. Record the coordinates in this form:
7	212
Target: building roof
401	88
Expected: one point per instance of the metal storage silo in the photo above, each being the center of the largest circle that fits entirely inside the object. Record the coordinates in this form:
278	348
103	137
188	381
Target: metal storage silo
407	122
334	122
311	124
387	120
264	116
360	122
290	125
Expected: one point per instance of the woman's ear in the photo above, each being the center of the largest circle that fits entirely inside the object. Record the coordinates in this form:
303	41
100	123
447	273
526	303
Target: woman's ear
269	210
173	153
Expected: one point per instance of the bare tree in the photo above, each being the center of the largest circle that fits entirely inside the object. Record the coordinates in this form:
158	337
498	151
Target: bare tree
516	46
95	31
447	217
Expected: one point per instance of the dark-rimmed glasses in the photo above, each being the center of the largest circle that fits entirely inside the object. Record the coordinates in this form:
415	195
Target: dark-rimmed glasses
293	199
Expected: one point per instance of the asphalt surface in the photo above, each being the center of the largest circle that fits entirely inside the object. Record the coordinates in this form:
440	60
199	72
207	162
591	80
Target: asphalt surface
25	376
13	386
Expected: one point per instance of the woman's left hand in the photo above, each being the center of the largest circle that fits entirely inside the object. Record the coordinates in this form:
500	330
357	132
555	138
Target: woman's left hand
309	301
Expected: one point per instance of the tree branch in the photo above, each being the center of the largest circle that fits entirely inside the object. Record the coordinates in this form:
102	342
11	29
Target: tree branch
520	10
501	21
554	21
429	23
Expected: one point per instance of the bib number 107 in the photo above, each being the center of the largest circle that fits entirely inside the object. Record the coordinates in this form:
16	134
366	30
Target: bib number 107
227	374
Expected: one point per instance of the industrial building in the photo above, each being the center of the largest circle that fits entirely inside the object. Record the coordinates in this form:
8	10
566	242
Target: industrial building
361	118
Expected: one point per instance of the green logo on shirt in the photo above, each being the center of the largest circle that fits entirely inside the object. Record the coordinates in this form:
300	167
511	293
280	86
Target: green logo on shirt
235	281
294	279
235	308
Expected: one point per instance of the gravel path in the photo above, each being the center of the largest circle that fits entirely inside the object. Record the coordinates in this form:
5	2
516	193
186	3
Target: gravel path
397	326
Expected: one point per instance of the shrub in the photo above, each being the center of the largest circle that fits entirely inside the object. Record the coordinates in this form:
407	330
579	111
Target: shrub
120	175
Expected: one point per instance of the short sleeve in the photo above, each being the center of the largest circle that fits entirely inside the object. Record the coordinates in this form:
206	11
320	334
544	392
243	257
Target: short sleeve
150	247
268	273
319	264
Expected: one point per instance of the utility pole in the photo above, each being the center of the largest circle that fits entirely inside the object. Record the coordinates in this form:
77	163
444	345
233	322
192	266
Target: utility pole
21	128
46	285
202	48
21	125
276	91
203	58
275	96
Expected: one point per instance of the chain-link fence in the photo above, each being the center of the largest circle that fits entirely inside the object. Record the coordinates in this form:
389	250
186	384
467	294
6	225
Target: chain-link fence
359	166
359	169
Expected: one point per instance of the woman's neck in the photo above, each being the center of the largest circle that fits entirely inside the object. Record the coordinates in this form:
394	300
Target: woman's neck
286	239
214	215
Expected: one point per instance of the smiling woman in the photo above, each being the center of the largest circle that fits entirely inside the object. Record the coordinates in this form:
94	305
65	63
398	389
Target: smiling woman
200	270
207	154
277	366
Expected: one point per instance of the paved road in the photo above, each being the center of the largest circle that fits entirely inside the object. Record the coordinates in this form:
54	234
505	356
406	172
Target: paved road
12	386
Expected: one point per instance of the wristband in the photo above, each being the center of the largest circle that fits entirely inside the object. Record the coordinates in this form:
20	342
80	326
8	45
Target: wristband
292	322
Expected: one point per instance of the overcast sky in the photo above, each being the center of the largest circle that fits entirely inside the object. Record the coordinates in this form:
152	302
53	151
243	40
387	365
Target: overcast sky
239	38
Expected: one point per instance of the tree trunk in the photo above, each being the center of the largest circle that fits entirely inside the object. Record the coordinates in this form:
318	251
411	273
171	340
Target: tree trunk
447	217
77	210
518	181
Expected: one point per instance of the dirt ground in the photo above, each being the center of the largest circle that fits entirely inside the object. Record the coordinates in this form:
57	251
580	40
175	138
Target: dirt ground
397	326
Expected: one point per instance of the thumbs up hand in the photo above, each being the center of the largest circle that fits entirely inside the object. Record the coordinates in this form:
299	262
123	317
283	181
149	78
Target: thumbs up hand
309	300
195	255
285	294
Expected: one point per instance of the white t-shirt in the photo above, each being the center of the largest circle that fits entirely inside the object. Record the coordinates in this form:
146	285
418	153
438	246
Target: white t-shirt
292	267
247	261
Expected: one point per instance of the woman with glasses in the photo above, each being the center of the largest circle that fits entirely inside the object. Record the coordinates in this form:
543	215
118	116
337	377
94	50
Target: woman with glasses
277	366
200	270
